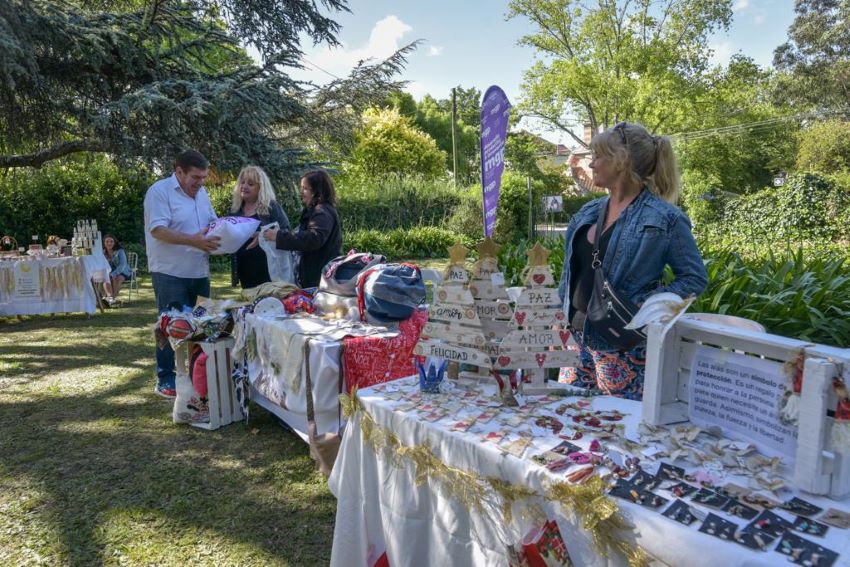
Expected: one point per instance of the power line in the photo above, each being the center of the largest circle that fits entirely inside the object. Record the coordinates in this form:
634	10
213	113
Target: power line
746	127
307	61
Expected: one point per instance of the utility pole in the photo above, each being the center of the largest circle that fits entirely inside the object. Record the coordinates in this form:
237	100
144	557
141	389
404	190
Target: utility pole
454	143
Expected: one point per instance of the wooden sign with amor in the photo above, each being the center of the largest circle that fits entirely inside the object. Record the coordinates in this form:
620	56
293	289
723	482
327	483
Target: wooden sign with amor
538	339
460	314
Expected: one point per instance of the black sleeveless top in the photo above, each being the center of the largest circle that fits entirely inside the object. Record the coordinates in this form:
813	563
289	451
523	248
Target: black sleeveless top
581	273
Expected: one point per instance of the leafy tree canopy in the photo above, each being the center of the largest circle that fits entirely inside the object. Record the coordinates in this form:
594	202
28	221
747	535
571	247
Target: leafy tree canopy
816	59
742	140
825	147
390	144
143	79
621	60
434	117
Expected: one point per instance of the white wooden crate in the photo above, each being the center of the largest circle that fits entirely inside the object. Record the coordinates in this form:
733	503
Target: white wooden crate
224	407
818	469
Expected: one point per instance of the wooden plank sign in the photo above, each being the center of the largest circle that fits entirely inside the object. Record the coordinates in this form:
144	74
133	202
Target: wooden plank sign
539	297
456	275
536	339
545	359
493	309
538	316
484	267
454	314
454	294
452	353
453	333
494	329
484	289
540	276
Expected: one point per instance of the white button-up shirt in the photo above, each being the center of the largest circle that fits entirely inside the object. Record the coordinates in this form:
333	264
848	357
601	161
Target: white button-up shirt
166	204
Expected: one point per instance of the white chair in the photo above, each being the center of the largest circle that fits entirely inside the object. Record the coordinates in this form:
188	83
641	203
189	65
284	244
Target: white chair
133	261
728	321
433	276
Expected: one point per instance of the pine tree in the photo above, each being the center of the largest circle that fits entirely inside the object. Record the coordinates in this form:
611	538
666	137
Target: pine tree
143	79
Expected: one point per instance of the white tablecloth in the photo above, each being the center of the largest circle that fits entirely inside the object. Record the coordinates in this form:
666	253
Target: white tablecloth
281	387
381	507
75	299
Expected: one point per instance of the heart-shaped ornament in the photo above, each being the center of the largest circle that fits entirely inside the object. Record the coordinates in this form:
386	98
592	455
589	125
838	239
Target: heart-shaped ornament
541	358
539	278
504	361
520	317
564	336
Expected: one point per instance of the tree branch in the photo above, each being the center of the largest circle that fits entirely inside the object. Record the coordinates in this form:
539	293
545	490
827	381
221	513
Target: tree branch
39	158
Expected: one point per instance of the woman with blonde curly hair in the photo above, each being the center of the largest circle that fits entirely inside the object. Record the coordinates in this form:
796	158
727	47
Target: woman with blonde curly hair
630	236
253	197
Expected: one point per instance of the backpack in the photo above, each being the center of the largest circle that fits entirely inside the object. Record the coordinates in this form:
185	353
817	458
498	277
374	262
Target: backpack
390	292
339	276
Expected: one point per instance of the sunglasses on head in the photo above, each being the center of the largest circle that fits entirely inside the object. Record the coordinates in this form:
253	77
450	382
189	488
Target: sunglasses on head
621	128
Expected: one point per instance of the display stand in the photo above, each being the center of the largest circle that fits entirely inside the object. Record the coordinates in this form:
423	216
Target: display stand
818	467
221	393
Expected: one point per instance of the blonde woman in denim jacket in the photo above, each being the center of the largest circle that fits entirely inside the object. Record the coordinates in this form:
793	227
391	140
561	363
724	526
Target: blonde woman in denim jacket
643	232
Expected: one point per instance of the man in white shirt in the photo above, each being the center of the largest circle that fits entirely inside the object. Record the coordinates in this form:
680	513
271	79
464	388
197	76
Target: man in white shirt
177	214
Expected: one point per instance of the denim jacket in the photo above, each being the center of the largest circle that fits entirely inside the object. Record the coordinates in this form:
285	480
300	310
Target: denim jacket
649	234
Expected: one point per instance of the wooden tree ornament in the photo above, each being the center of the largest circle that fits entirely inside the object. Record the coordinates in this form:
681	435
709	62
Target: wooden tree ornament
538	335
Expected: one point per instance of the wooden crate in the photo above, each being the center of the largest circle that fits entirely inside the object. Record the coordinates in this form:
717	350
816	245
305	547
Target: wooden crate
224	407
818	469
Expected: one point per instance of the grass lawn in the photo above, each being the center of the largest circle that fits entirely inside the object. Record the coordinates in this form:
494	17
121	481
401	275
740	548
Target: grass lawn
93	471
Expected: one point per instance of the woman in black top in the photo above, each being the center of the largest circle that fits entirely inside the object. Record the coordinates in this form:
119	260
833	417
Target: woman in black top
253	196
319	236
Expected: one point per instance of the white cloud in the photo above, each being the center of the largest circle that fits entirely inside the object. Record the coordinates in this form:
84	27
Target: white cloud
759	18
384	40
740	5
417	89
721	52
434	50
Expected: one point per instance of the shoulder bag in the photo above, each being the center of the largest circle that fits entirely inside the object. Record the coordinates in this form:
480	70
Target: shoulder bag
609	311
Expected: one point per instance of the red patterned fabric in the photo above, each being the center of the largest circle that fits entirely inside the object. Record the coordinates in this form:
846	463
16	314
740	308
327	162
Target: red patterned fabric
369	360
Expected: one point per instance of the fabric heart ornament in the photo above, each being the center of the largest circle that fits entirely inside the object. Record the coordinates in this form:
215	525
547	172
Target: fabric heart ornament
541	358
564	336
520	317
504	361
539	278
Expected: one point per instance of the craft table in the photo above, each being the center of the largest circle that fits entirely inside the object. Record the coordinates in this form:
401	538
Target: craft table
277	375
381	506
51	285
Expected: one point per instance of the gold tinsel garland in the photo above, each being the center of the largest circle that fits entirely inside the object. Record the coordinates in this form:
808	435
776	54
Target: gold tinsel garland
598	512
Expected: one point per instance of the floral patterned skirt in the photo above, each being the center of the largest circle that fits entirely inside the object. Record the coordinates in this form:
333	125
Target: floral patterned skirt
615	372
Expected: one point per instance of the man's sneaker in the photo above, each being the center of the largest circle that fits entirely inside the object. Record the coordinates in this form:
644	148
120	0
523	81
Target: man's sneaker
165	391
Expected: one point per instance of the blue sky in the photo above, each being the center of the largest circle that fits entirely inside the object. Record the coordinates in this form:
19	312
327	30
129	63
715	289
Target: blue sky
469	43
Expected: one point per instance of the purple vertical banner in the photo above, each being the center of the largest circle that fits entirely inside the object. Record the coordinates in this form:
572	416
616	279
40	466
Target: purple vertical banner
495	111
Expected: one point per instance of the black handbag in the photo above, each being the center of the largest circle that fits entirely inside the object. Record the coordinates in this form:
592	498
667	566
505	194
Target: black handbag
607	311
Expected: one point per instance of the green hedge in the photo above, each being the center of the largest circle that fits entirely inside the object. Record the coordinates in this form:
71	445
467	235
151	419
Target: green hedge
422	242
50	200
395	202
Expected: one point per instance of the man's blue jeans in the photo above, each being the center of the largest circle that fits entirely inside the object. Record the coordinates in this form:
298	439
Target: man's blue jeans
172	291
